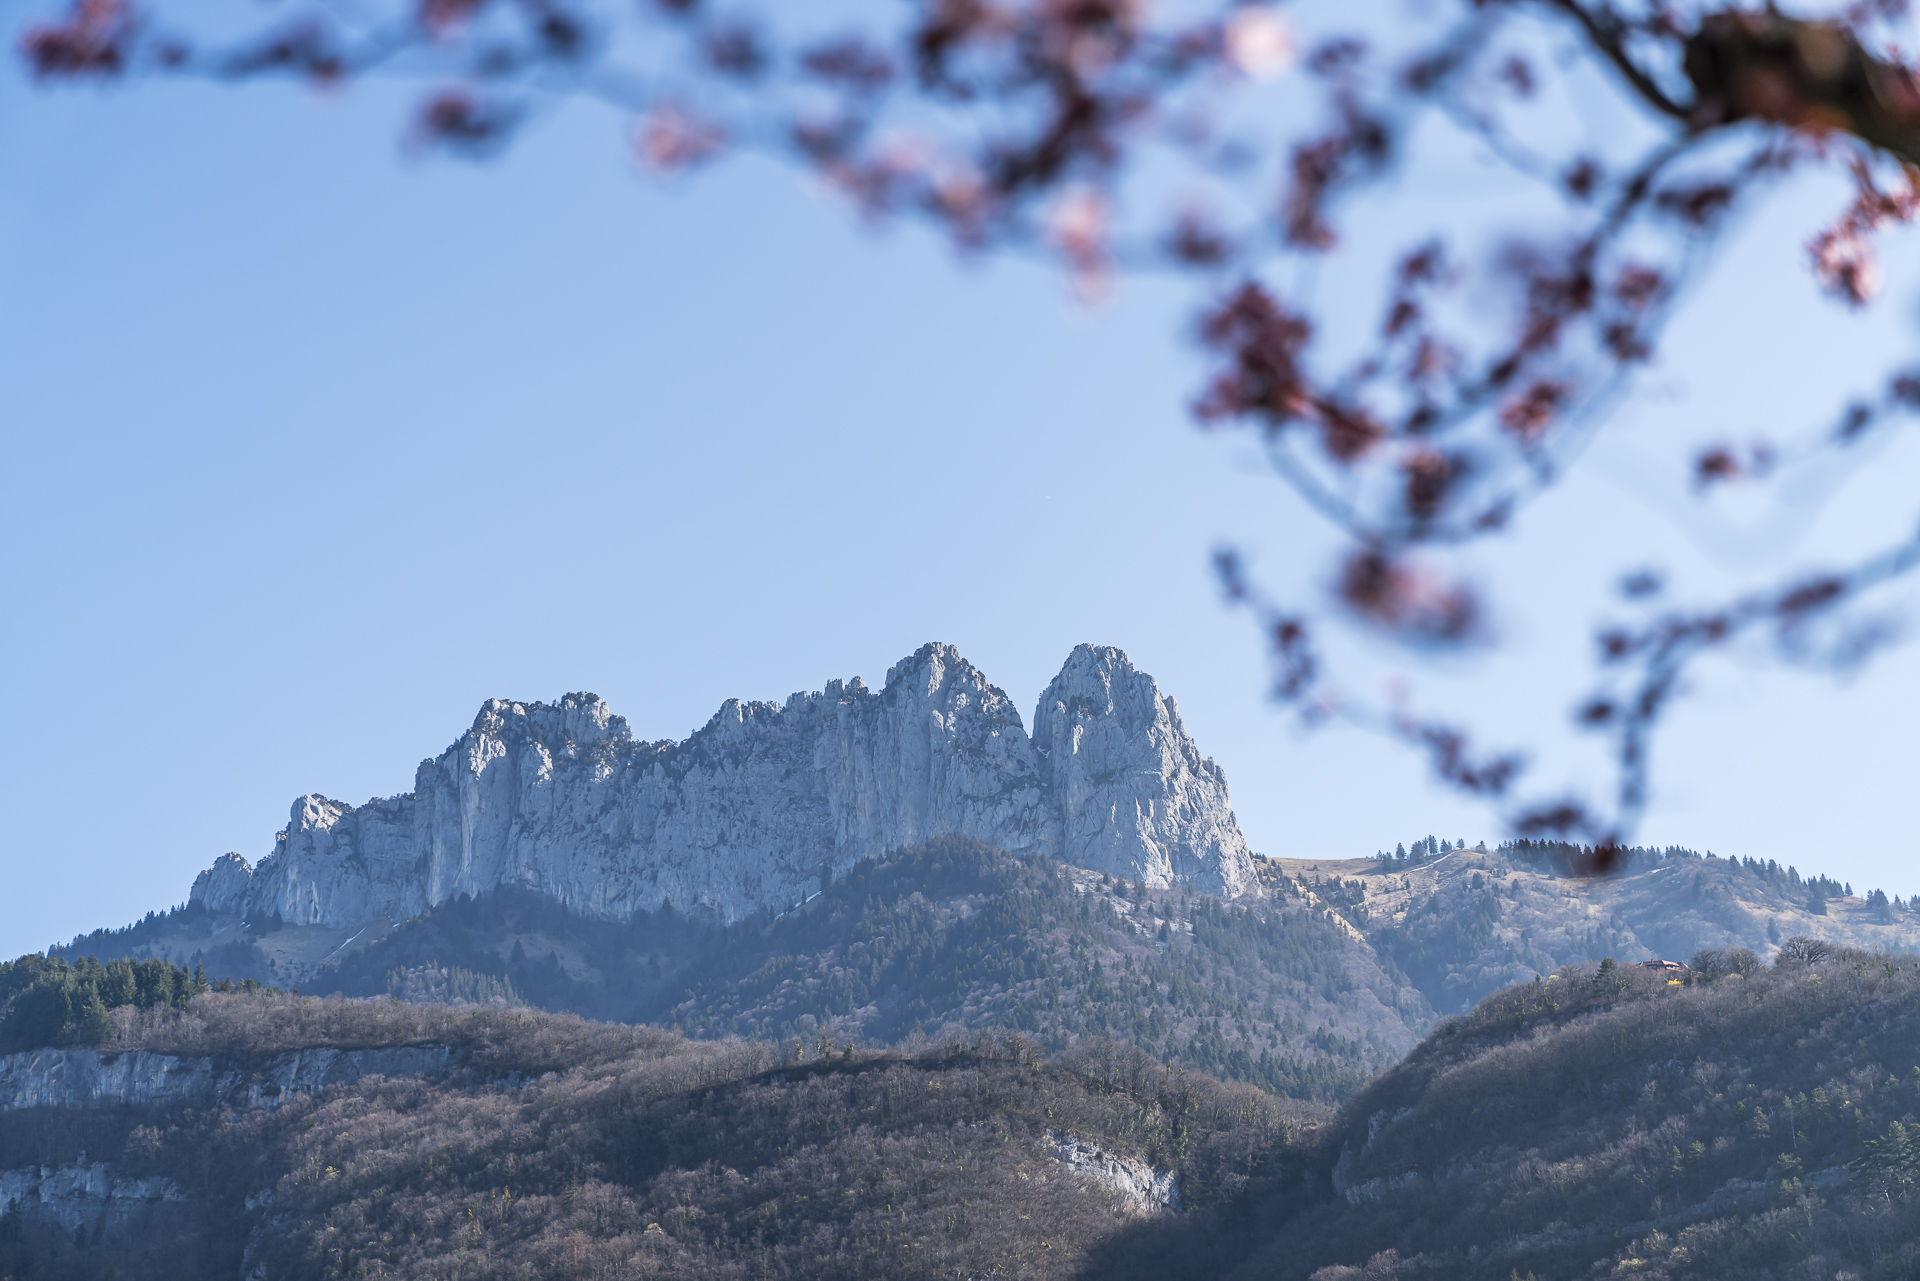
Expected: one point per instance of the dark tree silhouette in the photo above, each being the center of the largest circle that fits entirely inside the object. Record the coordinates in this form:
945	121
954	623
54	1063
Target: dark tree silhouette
1115	139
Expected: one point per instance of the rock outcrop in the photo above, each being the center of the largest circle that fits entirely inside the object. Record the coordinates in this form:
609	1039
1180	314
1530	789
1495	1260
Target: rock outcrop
764	803
1137	1187
101	1201
52	1078
1135	796
93	1197
223	887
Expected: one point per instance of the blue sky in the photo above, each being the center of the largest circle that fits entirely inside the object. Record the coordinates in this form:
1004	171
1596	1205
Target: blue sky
311	447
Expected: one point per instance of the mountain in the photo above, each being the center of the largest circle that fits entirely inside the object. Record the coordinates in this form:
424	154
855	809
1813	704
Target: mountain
1088	883
1037	1011
880	867
1463	923
765	805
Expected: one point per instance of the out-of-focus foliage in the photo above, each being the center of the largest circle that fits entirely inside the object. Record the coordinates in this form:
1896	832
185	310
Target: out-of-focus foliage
1415	380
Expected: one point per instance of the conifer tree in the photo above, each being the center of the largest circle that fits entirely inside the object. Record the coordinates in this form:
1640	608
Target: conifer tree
96	1025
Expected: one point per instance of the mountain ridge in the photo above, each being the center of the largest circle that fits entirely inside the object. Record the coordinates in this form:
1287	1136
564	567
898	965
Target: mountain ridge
764	803
758	879
1466	923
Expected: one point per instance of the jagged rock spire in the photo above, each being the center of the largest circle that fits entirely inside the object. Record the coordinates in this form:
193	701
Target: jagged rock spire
1134	794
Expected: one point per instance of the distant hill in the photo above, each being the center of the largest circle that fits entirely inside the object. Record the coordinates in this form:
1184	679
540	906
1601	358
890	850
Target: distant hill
951	936
1467	922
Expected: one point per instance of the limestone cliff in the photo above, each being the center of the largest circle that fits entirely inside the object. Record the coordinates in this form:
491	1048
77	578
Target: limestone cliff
765	802
82	1078
99	1199
1134	794
90	1196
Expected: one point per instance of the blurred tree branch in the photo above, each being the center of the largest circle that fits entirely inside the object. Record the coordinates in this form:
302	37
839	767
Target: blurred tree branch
1065	128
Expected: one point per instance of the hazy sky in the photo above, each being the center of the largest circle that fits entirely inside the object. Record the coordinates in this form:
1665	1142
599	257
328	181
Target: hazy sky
310	447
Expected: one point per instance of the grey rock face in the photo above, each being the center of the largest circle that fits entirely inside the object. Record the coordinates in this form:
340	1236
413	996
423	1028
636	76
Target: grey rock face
1137	1188
92	1078
83	1078
96	1196
223	887
1136	797
758	806
91	1196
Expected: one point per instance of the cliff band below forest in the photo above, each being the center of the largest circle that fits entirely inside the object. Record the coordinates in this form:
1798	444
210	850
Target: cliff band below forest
765	803
70	1078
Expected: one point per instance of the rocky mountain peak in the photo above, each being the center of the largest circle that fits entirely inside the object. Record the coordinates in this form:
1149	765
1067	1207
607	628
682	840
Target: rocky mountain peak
766	802
1136	796
930	667
316	813
582	718
1103	680
223	887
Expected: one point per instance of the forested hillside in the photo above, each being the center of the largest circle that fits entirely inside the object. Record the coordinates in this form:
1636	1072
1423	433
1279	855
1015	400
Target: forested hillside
948	937
1724	1120
1732	1121
45	1001
556	1148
